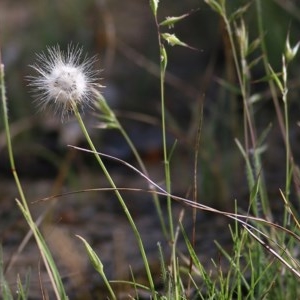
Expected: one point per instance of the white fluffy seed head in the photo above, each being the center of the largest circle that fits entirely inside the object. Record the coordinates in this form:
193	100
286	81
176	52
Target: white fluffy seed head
64	79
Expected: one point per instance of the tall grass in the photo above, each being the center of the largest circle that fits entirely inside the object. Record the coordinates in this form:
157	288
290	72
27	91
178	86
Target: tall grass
263	262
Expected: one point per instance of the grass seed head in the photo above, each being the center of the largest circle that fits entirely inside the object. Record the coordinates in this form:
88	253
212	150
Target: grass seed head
64	80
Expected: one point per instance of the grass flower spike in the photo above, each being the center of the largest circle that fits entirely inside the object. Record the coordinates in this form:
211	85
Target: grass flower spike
64	80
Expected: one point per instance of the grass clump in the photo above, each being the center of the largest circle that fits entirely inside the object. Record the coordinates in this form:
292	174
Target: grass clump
262	262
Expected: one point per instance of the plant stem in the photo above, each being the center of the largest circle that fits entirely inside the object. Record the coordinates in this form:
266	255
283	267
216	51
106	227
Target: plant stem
44	250
163	66
112	118
121	201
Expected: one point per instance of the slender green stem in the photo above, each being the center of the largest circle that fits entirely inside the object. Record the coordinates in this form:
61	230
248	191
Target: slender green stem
121	201
282	120
8	140
287	137
242	70
287	158
108	286
110	114
45	252
249	120
163	65
261	33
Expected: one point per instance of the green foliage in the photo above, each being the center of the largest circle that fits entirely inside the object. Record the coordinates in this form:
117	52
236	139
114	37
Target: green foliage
5	289
263	262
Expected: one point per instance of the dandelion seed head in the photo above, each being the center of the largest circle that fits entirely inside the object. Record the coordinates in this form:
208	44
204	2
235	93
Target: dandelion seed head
64	80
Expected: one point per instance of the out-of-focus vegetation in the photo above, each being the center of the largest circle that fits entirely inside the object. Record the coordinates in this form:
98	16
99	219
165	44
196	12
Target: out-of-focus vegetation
123	36
232	126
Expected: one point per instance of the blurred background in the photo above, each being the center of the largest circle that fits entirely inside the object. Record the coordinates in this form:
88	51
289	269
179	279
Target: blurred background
123	35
